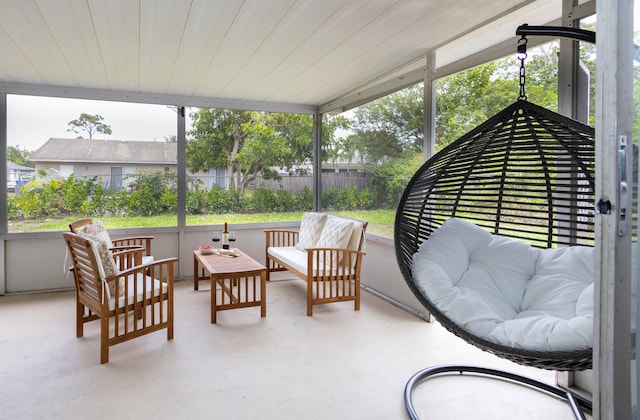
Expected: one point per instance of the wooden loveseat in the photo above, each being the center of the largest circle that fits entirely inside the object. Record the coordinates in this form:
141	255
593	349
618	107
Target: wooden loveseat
326	252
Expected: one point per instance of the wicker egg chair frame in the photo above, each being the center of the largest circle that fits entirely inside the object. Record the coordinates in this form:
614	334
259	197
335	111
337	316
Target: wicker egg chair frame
526	173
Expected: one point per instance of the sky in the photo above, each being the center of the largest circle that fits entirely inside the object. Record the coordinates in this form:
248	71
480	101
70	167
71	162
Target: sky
33	120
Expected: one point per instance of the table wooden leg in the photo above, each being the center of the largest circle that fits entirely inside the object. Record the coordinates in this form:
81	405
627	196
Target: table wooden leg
263	294
195	273
214	305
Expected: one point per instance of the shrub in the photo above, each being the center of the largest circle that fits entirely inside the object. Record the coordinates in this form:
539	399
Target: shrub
196	201
142	202
306	200
169	200
263	200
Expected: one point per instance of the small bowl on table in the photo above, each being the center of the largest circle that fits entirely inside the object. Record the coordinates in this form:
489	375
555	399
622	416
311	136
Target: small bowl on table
206	249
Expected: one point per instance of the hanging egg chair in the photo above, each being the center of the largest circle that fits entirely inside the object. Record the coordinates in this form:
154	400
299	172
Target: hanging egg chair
526	174
494	235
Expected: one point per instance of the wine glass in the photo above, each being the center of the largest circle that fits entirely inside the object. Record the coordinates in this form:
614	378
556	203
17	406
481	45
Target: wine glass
232	236
216	236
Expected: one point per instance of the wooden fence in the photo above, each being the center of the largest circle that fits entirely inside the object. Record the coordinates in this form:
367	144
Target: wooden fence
296	184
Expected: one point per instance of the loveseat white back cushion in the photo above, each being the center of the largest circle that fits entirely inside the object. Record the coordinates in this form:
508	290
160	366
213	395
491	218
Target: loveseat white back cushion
310	229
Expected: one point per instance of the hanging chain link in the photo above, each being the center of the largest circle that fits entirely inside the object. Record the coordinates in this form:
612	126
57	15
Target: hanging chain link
522	55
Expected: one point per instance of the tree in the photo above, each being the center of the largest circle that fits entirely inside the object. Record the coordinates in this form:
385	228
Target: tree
90	124
390	126
217	137
248	143
19	157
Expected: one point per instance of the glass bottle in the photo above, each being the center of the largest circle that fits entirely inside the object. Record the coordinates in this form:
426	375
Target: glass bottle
225	237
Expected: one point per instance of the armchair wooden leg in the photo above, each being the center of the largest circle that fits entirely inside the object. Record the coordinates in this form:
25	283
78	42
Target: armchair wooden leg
79	319
170	327
309	296
104	340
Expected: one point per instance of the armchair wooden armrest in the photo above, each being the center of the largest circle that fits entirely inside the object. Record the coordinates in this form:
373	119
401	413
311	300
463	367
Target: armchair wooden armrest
143	241
127	257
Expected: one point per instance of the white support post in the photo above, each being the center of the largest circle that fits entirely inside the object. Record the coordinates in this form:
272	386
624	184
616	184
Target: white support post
429	142
614	87
182	166
182	184
4	227
317	161
568	64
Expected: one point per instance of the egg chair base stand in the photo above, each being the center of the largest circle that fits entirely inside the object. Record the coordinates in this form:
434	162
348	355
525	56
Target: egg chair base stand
576	402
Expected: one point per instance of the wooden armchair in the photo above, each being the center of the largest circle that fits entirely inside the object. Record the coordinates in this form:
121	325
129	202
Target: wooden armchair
120	243
129	303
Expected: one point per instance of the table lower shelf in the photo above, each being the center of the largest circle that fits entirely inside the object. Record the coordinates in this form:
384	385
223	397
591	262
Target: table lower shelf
243	291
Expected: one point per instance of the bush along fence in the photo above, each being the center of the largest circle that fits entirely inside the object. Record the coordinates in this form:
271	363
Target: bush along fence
156	194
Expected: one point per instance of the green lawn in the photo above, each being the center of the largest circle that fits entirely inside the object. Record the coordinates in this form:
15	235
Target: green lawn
380	221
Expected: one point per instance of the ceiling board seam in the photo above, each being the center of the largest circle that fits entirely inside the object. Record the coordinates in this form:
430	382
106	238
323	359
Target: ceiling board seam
26	57
484	23
311	34
394	73
93	27
242	66
213	56
372	81
184	30
377	17
472	29
66	60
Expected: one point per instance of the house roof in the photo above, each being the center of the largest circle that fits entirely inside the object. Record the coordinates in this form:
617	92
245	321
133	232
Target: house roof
15	167
106	151
277	55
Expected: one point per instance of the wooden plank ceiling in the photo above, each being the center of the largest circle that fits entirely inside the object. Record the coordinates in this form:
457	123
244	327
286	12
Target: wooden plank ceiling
305	52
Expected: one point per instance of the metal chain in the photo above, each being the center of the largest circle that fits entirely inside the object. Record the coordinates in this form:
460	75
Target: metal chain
522	55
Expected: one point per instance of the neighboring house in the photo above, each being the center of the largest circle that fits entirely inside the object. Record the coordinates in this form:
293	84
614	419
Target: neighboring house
110	160
18	175
113	160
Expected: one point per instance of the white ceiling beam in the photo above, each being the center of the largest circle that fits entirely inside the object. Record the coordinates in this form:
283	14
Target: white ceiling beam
154	98
374	92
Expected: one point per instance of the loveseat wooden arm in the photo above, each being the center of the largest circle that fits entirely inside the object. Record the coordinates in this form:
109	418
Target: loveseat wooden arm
333	275
333	263
281	237
278	238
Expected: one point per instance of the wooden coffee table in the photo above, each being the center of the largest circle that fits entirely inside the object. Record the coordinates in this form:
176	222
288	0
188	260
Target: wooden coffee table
242	281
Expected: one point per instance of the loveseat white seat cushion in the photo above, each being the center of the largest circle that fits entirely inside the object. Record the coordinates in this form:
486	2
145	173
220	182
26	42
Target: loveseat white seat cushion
507	291
298	260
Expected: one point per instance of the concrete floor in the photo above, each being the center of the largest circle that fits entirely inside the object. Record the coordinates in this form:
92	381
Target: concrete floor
338	364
